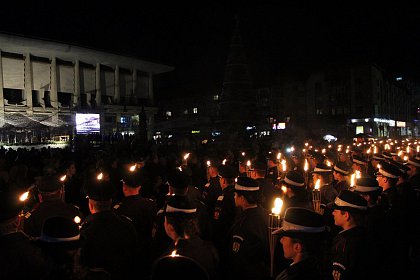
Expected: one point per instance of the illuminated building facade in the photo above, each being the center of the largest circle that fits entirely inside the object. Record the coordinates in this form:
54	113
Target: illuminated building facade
43	84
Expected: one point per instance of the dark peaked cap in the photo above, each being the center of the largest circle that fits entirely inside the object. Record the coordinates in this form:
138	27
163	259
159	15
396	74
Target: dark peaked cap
48	183
99	189
342	168
228	171
300	222
321	168
132	176
179	205
388	170
246	184
349	201
359	160
365	185
294	179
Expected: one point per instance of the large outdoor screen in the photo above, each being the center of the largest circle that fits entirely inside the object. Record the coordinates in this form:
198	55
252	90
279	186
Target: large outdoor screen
87	123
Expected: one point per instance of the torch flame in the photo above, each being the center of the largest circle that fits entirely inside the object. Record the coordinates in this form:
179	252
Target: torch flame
100	176
243	154
278	203
208	163
318	184
24	196
174	254
224	161
278	156
186	156
306	167
132	168
63	178
283	164
248	163
353	180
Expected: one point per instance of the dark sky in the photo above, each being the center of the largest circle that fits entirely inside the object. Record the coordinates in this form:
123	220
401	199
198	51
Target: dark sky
194	38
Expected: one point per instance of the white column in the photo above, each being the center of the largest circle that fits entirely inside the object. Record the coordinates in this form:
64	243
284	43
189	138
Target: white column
28	83
1	93
98	84
76	96
117	84
53	92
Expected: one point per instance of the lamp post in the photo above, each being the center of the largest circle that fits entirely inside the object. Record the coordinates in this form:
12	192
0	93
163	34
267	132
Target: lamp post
273	224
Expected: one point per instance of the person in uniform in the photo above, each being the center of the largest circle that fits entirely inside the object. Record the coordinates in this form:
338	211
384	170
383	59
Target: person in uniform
224	212
323	173
341	172
212	189
141	211
50	196
19	258
360	164
181	225
301	236
111	240
348	259
294	192
373	168
272	169
249	249
268	189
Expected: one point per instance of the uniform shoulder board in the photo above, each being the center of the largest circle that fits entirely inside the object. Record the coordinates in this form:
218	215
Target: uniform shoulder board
27	215
116	206
220	198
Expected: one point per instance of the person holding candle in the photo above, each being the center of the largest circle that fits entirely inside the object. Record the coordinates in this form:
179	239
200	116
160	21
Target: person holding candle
360	164
301	237
324	174
294	192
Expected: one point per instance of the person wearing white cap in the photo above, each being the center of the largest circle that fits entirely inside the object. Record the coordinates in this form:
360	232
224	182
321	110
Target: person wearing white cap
249	247
302	238
348	258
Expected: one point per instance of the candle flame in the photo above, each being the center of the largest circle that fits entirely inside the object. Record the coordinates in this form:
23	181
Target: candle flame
186	156
208	163
306	144
224	161
368	151
405	158
100	176
306	167
283	164
243	153
278	156
248	163
400	153
284	189
132	168
358	174
318	184
328	163
408	149
323	151
24	196
278	203
63	178
375	149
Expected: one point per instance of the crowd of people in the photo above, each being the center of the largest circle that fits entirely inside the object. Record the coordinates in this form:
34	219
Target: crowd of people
118	212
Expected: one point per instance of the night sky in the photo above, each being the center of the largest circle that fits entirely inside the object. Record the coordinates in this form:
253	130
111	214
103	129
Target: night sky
194	38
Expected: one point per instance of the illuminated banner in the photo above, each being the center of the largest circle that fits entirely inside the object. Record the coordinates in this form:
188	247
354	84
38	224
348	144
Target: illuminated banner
400	124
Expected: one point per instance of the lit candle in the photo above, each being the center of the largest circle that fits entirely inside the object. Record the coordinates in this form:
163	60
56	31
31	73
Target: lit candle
224	162
132	168
23	197
100	176
63	178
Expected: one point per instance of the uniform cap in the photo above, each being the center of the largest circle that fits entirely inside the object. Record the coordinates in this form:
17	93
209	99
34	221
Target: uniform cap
388	170
246	184
321	168
301	222
359	160
178	179
258	165
403	168
99	188
132	176
48	183
177	266
179	205
414	162
349	201
228	171
60	232
342	168
365	185
387	155
293	179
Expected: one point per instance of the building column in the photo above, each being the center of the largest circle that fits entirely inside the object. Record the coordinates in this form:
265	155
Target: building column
134	77
28	84
1	94
150	89
117	84
76	95
98	84
53	92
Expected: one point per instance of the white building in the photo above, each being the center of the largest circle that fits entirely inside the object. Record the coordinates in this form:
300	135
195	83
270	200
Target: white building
43	84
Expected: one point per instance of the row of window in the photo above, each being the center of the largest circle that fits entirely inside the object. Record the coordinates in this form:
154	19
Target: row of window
168	114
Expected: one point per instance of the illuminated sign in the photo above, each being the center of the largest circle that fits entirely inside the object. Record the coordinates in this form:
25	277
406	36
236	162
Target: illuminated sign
359	129
400	124
87	123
